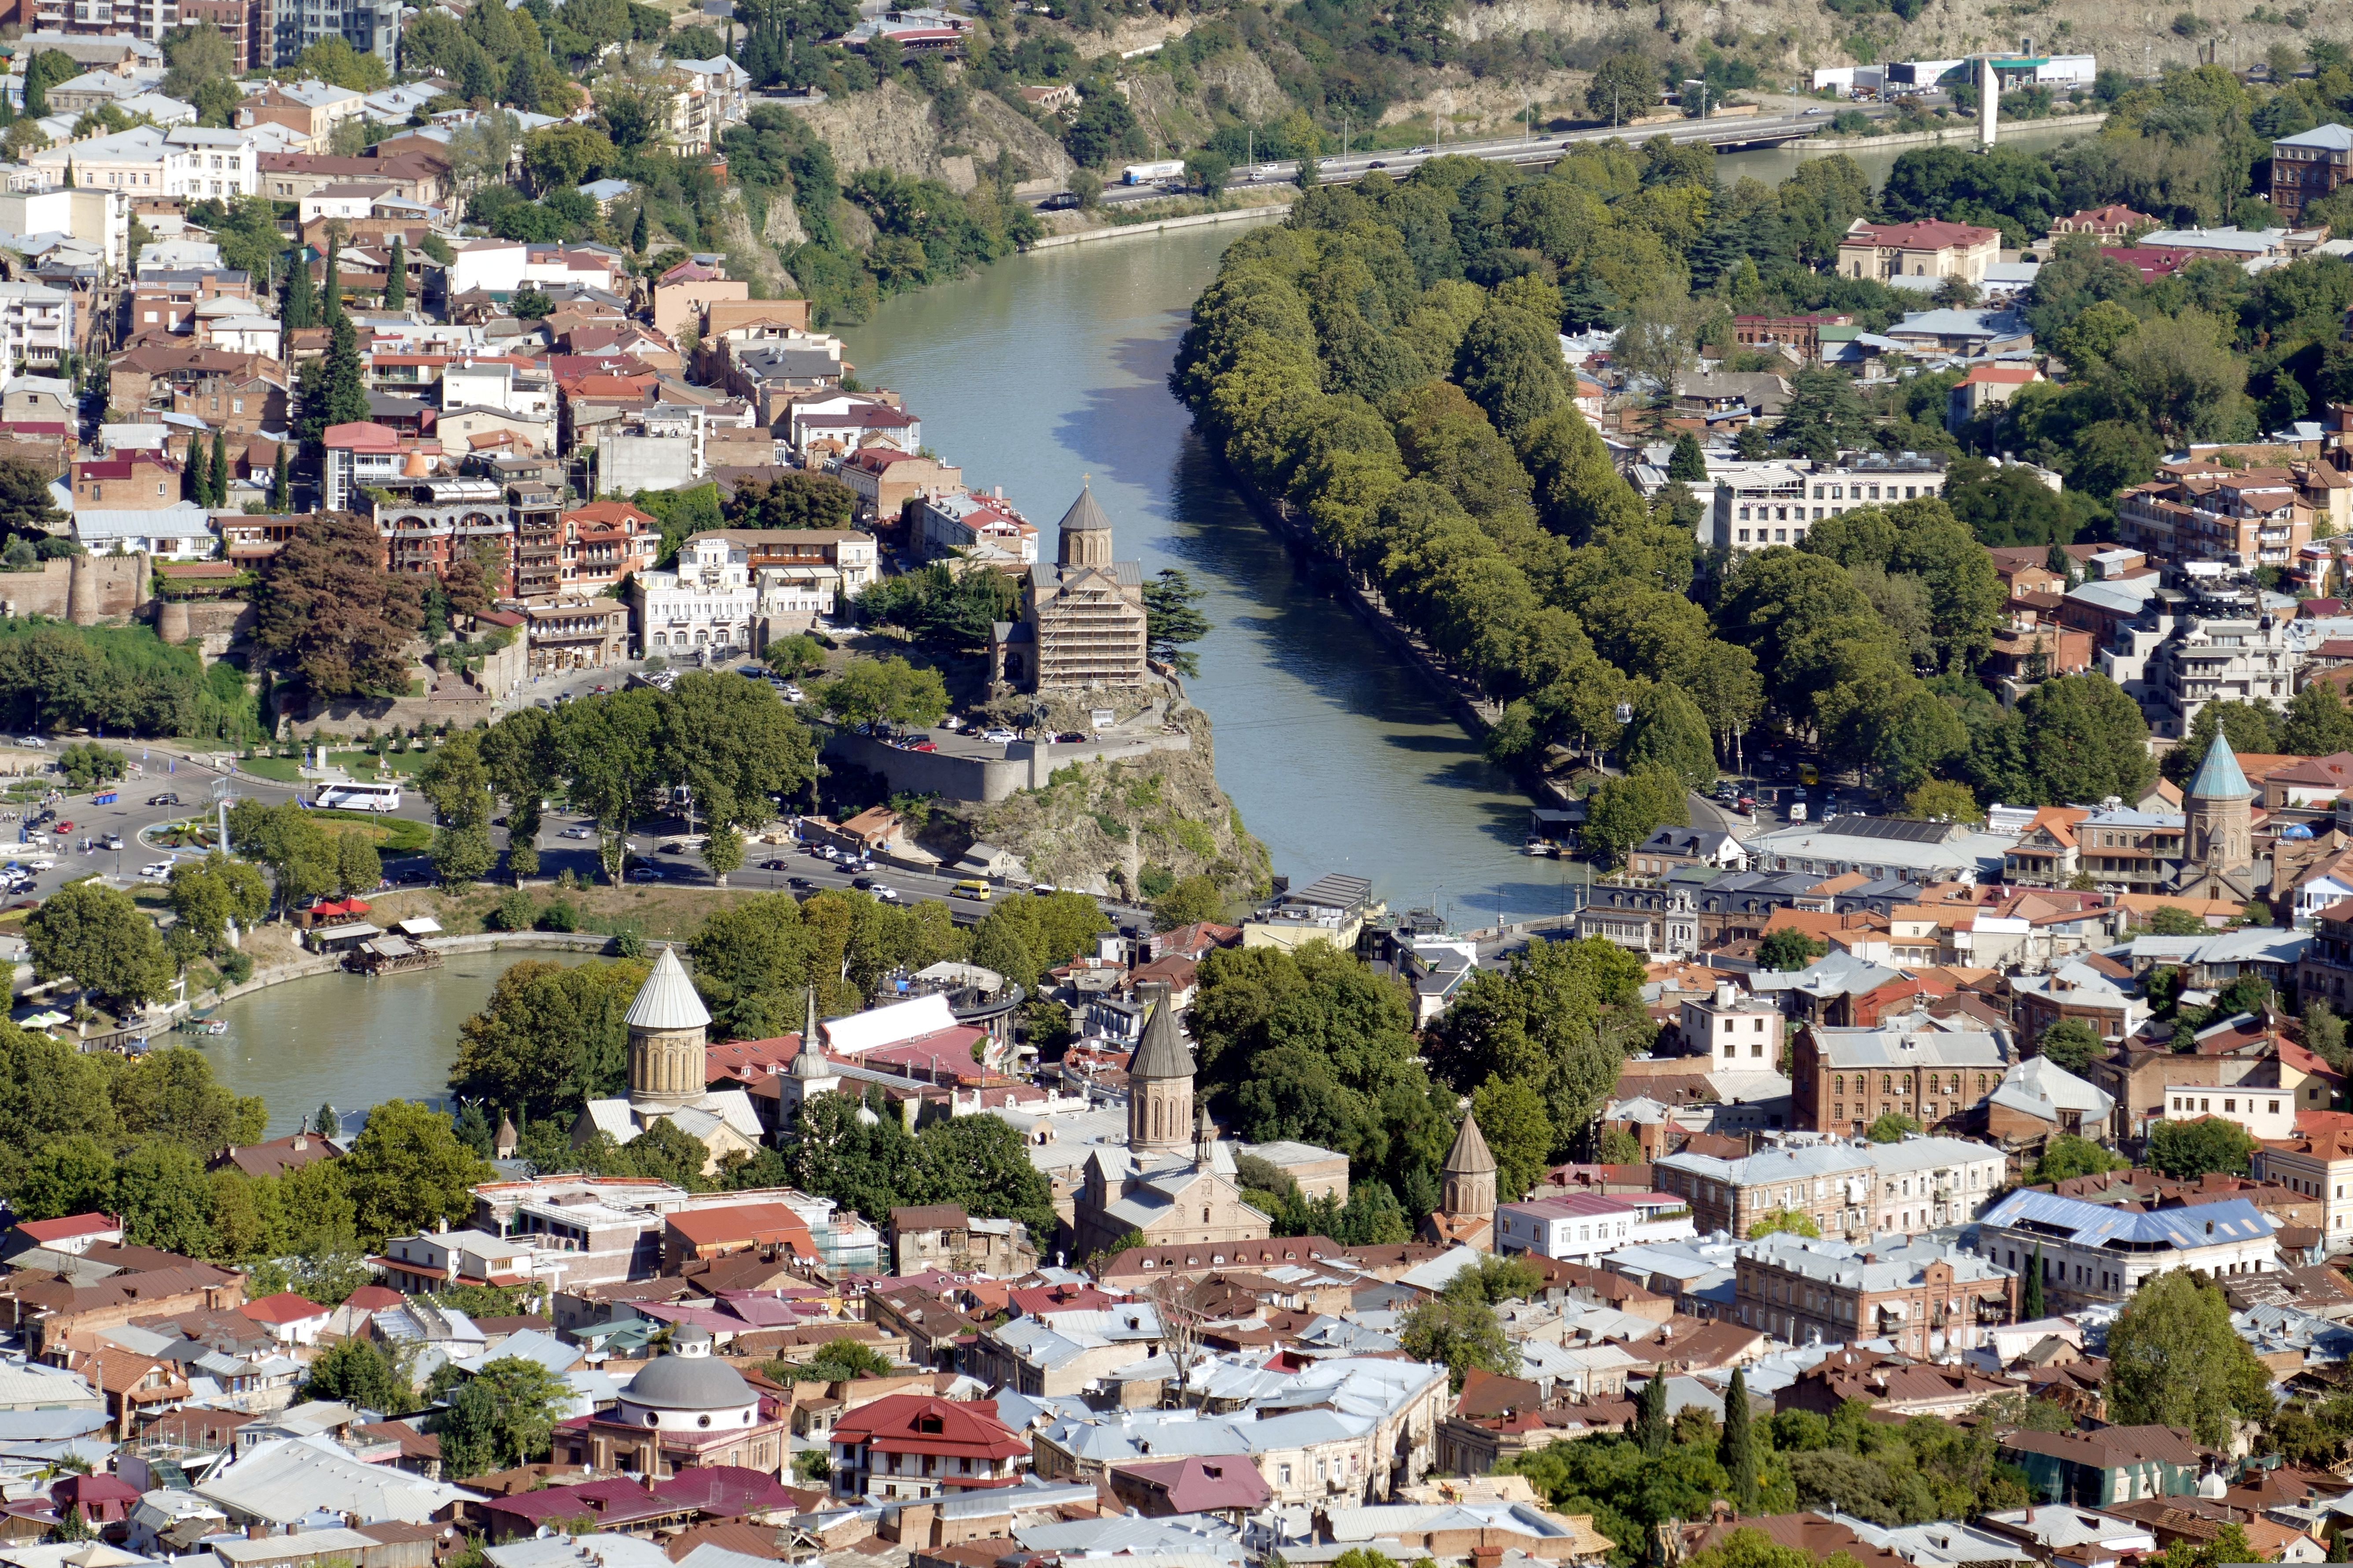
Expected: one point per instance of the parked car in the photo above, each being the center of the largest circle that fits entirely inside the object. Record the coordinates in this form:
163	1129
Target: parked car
645	874
922	746
1000	736
159	871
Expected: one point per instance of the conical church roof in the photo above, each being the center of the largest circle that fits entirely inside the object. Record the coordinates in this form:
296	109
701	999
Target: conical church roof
808	1062
1085	514
668	1001
1470	1156
2220	776
1163	1053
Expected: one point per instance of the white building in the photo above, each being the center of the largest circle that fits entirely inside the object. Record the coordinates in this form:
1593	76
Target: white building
2319	1165
36	326
2092	1252
1735	1027
129	160
181	531
2265	1112
1582	1226
721	602
2237	660
198	163
978	527
500	384
1923	1182
503	265
1761	504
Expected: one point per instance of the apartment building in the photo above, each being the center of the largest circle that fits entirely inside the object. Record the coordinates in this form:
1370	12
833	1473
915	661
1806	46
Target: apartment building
2093	1252
2318	1164
2127	850
1836	1292
1921	1183
605	542
1734	1030
359	455
1831	1185
1760	504
2265	1111
2308	166
2244	518
127	481
310	109
429	524
2241	659
885	479
2079	992
978	527
1803	333
1881	251
1580	1228
36	327
1843	1079
705	97
577	634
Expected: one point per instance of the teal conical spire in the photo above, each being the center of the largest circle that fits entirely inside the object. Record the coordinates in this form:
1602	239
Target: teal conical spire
2219	776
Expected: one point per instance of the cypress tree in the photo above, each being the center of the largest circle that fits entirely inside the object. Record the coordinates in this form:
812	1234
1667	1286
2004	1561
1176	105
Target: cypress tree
296	307
396	283
331	291
346	380
2031	1304
638	238
1738	1451
220	468
282	483
1651	1421
195	477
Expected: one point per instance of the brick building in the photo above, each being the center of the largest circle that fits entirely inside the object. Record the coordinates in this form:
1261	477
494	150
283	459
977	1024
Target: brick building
1845	1079
1796	1289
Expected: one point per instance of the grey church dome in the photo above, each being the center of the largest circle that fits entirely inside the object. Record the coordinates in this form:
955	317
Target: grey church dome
688	1383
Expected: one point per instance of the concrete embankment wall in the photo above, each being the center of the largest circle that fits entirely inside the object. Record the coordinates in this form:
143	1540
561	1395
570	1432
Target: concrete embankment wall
988	779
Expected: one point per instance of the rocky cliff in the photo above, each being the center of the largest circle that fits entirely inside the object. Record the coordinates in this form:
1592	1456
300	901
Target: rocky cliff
892	128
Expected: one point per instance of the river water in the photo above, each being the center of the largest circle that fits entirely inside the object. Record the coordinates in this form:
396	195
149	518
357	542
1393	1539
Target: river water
350	1042
1051	367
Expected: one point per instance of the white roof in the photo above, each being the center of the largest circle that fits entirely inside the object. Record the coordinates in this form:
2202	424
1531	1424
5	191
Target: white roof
180	518
283	1481
598	1550
668	999
880	1026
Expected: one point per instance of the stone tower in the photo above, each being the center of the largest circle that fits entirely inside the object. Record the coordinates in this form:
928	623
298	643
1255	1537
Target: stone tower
811	1075
1160	1081
2218	836
1469	1188
1086	533
667	1026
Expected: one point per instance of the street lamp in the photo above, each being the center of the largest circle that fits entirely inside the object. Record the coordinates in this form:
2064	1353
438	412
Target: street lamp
1701	83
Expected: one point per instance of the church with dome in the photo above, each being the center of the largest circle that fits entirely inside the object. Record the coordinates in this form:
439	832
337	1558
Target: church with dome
668	1029
686	1409
1082	619
1172	1183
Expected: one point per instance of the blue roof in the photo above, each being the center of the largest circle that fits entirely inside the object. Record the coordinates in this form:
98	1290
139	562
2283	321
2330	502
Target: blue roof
2219	777
2097	1225
2334	138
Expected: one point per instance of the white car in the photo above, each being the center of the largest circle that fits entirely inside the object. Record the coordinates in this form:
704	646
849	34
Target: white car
886	893
578	833
998	737
161	871
44	863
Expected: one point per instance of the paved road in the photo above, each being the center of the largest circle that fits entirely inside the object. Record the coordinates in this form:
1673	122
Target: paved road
1543	149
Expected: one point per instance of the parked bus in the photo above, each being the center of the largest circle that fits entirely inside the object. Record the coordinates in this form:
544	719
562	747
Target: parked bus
358	796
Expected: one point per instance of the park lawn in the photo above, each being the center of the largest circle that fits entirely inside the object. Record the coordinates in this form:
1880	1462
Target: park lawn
400	835
284	769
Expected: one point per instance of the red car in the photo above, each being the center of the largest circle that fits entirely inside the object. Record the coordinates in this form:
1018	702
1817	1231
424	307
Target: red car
62	827
922	746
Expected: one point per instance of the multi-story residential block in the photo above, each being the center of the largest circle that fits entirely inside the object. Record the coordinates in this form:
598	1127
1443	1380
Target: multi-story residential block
2079	992
2245	518
1882	251
200	162
242	405
2127	850
1829	1183
2325	973
1580	1228
2096	1252
36	327
980	528
577	634
912	1445
310	109
1843	1079
2308	166
885	479
705	97
2319	1164
1760	504
1986	386
605	542
732	589
2252	659
2264	1112
369	26
1803	333
1921	1183
127	481
358	455
1835	1292
1734	1030
429	524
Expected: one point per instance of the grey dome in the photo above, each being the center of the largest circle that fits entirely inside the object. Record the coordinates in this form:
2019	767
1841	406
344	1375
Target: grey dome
681	1382
668	1000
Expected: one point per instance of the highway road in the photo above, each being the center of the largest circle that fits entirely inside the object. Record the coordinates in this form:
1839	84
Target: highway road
1769	126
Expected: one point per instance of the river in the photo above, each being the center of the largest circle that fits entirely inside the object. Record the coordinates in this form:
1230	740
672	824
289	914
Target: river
351	1042
1051	368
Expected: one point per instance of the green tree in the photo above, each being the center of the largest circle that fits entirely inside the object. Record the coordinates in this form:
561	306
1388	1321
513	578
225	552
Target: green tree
1890	1128
2072	1043
70	1175
359	1373
326	607
1626	810
1667	732
1738	1453
879	690
1519	1133
2066	1156
2189	1150
406	1170
2031	1299
1172	620
1787	949
2084	738
503	1416
2324	1033
1562	1020
2174	1359
101	937
550	1037
170	1096
1460	1333
395	279
1784	1222
1941	800
281	481
1624	87
1653	1424
2172	920
163	1200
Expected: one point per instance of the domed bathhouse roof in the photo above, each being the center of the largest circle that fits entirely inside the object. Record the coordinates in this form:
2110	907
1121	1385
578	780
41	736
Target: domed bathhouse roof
676	1381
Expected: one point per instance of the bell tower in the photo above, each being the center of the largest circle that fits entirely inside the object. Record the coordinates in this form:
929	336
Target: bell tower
1160	1084
1086	533
2218	830
1469	1191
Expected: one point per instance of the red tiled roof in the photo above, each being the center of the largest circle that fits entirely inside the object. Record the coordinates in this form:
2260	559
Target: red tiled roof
286	1307
1930	236
364	437
67	1227
920	1423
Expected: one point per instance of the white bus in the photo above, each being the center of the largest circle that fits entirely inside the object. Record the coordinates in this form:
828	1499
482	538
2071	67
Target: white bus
358	796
